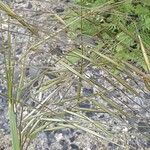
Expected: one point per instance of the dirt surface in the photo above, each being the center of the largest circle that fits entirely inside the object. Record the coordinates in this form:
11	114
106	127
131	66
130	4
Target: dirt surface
46	16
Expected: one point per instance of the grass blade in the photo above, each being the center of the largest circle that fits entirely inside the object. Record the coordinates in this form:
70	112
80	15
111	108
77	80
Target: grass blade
12	14
144	54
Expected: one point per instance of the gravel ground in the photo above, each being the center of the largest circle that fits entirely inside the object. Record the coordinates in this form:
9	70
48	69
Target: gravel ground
130	131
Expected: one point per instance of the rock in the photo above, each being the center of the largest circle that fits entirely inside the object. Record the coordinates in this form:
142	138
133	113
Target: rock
85	105
55	28
64	144
64	139
67	1
29	5
18	51
74	147
72	139
90	114
59	9
32	72
87	91
102	116
36	83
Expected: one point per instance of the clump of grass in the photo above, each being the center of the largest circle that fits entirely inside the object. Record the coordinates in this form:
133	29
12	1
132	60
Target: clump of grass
50	109
106	26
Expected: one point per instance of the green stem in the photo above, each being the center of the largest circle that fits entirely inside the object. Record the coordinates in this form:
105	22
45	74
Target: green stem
11	102
13	128
81	66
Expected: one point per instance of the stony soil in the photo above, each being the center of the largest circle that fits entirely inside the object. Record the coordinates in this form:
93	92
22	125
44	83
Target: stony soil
40	13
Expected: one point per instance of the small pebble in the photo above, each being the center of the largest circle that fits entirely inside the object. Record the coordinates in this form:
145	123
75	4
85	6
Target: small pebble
62	142
35	84
85	105
74	146
90	114
67	1
18	51
102	116
59	9
72	139
29	5
87	91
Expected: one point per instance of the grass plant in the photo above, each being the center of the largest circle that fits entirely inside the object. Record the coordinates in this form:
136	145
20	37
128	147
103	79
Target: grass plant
46	107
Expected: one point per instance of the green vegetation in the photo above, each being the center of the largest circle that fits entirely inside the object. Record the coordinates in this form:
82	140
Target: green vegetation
118	26
120	33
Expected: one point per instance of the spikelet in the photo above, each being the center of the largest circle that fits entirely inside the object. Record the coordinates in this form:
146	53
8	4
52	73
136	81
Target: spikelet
4	7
